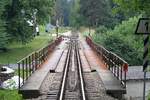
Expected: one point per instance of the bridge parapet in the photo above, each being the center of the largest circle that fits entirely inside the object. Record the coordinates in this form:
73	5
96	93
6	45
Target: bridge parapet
114	63
29	64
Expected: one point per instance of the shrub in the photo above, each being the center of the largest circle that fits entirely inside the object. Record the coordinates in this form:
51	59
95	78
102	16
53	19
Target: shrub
101	30
123	41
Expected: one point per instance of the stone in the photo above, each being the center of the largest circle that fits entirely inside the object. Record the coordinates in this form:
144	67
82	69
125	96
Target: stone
12	83
6	73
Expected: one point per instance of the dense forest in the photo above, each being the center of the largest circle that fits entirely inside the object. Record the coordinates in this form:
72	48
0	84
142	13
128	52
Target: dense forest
114	22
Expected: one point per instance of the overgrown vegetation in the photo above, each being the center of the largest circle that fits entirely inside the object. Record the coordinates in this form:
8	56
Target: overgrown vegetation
122	41
116	30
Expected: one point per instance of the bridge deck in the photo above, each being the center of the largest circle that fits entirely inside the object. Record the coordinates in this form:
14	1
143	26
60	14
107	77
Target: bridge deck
112	84
33	84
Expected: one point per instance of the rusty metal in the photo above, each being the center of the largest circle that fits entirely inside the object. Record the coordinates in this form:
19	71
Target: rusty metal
29	64
114	63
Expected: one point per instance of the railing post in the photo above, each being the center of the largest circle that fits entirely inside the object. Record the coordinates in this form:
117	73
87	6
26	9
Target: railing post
19	75
121	73
36	61
112	60
43	58
118	72
125	78
23	71
30	65
26	63
33	62
113	64
109	61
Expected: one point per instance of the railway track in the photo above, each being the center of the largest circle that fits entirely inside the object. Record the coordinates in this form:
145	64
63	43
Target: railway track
73	82
72	85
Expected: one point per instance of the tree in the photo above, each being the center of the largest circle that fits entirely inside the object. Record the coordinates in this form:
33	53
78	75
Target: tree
3	35
3	38
96	12
41	10
62	12
122	41
16	25
75	17
132	7
18	14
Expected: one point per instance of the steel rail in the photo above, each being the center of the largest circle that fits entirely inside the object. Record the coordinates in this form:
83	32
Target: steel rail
63	85
80	74
66	70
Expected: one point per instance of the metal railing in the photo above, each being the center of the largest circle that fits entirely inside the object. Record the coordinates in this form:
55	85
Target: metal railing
114	63
28	65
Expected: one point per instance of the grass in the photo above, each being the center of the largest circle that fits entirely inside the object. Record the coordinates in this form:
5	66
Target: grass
149	96
85	31
10	95
53	31
17	51
63	29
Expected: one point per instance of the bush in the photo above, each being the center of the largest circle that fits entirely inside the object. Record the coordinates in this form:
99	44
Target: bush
101	30
123	41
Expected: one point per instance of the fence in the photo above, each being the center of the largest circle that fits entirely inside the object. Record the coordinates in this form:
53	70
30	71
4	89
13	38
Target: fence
28	65
114	63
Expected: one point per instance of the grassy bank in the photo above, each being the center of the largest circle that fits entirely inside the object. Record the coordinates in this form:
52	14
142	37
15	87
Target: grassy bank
85	31
10	95
17	51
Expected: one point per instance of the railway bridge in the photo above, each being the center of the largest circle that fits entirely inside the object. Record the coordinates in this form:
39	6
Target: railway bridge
72	68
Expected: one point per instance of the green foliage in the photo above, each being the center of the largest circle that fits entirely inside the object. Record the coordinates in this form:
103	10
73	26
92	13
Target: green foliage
17	13
17	51
138	6
101	30
16	26
75	17
41	10
3	35
19	30
149	96
123	41
10	95
96	12
62	12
